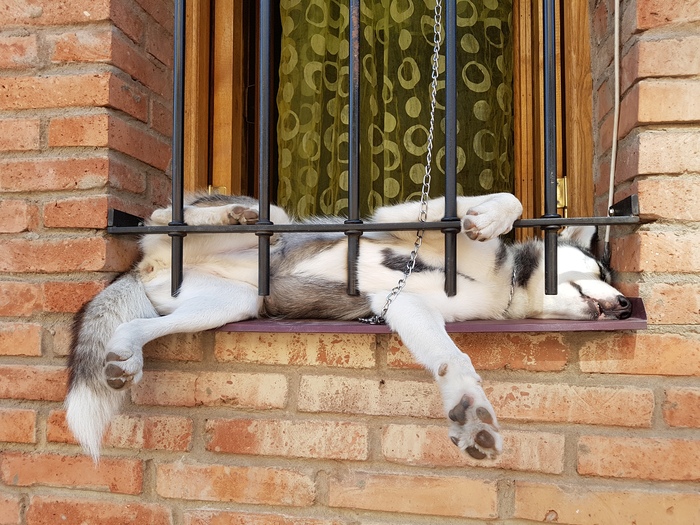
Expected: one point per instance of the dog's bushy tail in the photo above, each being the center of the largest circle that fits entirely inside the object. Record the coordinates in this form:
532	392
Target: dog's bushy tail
91	403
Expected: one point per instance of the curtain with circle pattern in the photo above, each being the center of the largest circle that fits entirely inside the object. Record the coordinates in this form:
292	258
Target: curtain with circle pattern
396	44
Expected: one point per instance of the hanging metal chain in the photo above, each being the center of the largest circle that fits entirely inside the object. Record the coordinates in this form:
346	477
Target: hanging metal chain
427	177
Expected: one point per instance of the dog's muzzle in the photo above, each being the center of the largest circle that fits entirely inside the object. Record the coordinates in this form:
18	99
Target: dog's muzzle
619	308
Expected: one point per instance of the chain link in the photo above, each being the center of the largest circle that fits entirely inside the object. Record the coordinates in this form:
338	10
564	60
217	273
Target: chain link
427	177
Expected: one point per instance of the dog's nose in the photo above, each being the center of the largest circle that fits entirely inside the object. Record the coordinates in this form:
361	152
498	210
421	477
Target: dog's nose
624	309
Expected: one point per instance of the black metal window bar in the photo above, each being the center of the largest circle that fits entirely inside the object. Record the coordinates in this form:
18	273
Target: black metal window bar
624	212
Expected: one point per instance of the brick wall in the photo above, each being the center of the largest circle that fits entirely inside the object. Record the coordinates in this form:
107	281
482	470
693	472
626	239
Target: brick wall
311	429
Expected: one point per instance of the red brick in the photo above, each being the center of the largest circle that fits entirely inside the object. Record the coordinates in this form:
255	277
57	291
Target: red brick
61	336
129	19
81	130
670	57
17	216
430	446
299	439
46	510
644	353
68	254
639	458
137	432
87	44
20	339
161	118
54	91
600	21
658	102
256	485
670	304
562	403
77	212
40	383
213	517
593	506
350	395
130	97
344	350
537	352
670	198
70	296
159	43
659	252
177	347
10	507
604	99
133	61
654	152
19	134
124	476
161	11
52	174
17	426
658	13
262	391
18	52
126	176
431	495
681	407
165	388
52	12
19	299
138	142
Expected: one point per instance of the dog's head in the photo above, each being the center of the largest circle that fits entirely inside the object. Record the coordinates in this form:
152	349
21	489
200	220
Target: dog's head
584	290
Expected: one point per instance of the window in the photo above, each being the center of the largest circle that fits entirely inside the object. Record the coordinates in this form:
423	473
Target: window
217	146
220	91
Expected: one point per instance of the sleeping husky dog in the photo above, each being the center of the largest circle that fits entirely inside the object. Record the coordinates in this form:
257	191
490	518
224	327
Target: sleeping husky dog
308	273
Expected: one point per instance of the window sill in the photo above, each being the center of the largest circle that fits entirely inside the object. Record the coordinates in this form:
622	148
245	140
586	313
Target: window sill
637	321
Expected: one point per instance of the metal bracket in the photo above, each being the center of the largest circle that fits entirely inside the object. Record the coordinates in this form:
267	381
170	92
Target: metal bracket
118	218
562	193
626	207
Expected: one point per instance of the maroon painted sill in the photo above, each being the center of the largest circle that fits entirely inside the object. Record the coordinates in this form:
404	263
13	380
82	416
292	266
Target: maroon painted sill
637	321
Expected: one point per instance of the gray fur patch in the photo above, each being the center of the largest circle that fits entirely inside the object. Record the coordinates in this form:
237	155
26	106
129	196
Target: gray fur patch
295	295
527	260
394	261
216	199
501	256
299	297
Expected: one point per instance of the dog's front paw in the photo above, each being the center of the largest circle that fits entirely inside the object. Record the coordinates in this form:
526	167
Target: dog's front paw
474	428
473	424
240	214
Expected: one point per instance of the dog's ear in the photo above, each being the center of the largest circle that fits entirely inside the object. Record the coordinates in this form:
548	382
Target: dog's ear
584	236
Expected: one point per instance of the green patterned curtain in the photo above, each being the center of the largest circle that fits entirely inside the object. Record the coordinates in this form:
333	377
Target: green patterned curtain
396	49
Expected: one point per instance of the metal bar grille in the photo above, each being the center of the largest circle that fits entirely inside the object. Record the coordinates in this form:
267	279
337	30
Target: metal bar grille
354	149
122	223
550	148
178	146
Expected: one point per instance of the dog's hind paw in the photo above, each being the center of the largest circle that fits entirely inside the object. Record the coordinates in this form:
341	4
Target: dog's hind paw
240	214
474	429
122	371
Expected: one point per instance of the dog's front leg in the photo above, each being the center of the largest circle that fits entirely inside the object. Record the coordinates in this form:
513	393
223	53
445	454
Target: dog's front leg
473	424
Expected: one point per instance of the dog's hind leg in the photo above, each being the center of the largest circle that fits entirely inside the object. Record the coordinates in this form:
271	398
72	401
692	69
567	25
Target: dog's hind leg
473	424
205	302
